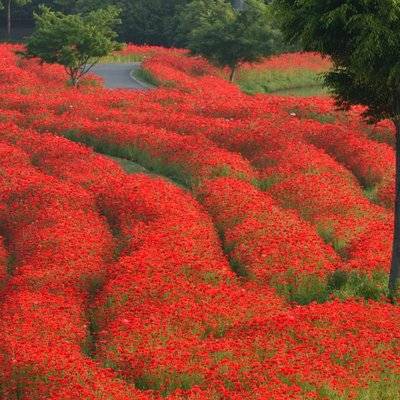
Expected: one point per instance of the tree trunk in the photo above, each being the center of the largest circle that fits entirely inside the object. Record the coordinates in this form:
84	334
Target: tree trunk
73	77
394	272
75	81
9	18
232	75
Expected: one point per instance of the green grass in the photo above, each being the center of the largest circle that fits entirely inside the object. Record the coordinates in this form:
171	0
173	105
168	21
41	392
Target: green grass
168	381
11	264
326	232
308	91
340	284
381	136
387	388
323	118
134	159
146	77
129	167
122	58
290	83
371	193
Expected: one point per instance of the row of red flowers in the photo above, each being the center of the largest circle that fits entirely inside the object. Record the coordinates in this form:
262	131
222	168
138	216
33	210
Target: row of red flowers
59	245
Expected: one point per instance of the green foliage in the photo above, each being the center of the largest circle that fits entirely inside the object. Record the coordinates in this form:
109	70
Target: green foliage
326	231
302	290
129	167
214	30
307	91
363	40
150	21
340	284
239	268
143	21
346	284
388	388
75	41
19	3
371	192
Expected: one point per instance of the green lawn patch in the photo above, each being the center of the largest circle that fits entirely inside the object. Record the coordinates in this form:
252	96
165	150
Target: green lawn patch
290	83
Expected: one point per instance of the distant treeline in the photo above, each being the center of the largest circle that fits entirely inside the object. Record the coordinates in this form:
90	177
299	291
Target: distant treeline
143	21
152	22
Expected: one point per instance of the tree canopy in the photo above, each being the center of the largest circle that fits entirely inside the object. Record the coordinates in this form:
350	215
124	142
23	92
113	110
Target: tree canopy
154	22
142	21
363	40
75	41
225	36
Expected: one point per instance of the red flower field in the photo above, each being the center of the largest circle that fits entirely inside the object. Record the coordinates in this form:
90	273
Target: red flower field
248	260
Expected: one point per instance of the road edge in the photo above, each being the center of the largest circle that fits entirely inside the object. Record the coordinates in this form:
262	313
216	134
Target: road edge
144	85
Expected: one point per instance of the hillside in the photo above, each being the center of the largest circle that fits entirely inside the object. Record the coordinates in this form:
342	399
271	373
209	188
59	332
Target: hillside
248	260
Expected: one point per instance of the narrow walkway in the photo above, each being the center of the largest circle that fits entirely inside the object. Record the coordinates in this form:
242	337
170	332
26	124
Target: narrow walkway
120	76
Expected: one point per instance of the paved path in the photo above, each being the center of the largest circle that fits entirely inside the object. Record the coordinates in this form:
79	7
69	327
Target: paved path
120	76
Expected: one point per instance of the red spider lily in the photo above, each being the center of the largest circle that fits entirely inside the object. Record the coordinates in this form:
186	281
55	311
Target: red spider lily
142	259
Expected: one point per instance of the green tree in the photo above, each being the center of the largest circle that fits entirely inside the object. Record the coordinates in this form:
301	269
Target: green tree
225	36
75	41
80	6
363	40
7	4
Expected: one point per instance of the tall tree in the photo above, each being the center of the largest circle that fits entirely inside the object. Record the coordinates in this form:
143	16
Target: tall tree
363	40
225	36
7	4
75	41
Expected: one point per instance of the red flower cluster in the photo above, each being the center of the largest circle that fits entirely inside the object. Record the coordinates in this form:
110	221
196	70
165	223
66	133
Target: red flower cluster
290	61
173	291
118	287
371	162
58	245
265	240
3	263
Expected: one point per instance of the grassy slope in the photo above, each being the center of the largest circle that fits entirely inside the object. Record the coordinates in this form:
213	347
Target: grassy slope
298	82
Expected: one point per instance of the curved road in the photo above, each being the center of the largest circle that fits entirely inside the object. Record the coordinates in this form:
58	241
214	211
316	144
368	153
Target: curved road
120	76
